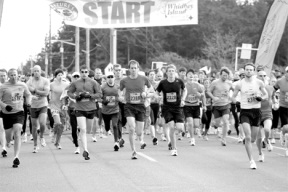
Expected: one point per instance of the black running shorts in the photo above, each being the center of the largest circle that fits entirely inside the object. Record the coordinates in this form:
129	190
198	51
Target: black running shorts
283	113
35	112
87	114
10	119
175	114
135	110
192	111
251	116
219	111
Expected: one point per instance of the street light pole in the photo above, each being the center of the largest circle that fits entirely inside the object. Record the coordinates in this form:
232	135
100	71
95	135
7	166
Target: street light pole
88	48
62	55
113	46
77	47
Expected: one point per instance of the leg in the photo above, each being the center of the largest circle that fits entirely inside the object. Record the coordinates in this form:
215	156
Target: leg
17	138
171	126
248	144
42	121
225	125
131	127
115	127
190	125
2	135
57	128
140	131
82	125
35	124
73	123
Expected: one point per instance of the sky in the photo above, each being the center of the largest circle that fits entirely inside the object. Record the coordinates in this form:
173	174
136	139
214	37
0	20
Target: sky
23	29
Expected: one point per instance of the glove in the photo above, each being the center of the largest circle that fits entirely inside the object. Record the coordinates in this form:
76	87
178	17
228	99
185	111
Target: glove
8	108
105	102
78	98
259	99
85	95
238	103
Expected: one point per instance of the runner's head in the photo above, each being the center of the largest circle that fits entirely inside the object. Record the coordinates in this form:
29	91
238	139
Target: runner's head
133	67
117	71
262	76
171	71
98	73
224	73
13	75
249	69
151	75
190	75
84	72
3	75
286	73
206	83
272	80
36	70
75	76
91	74
110	77
182	72
159	76
58	74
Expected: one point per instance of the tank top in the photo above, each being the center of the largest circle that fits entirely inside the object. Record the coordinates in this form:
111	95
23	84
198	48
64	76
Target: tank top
249	91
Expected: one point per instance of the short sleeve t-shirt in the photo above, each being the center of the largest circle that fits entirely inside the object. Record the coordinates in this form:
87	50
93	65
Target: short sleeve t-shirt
13	95
134	88
282	84
192	90
56	92
171	92
41	84
110	94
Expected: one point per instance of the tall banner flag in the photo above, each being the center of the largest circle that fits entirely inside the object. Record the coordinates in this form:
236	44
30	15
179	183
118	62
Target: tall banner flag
1	10
126	13
272	34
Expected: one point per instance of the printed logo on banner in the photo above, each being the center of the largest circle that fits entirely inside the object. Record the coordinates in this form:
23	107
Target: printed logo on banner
180	9
68	11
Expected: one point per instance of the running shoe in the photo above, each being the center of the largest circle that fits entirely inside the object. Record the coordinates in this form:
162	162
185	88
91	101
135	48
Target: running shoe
269	146
121	142
286	153
103	136
58	146
263	145
163	138
8	144
188	135
86	155
223	142
94	138
4	153
282	141
239	140
12	142
109	132
174	152
24	139
169	146
273	141
143	145
192	142
205	137
229	132
43	142
218	133
253	164
183	134
116	146
134	155
155	141
199	133
35	150
180	137
16	162
77	151
31	137
261	158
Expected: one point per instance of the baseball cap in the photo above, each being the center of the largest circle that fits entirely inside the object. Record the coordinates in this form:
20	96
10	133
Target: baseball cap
110	73
286	69
260	68
75	73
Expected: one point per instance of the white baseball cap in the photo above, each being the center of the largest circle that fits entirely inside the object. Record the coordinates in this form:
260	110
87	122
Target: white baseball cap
75	73
109	74
286	69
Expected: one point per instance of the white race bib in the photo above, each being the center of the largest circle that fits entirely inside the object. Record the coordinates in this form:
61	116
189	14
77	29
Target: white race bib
171	97
192	98
286	97
16	97
135	98
111	100
250	96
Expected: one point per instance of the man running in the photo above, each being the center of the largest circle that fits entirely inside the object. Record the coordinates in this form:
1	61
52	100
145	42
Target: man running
3	79
57	110
174	94
250	89
39	87
85	91
282	84
11	102
219	92
134	108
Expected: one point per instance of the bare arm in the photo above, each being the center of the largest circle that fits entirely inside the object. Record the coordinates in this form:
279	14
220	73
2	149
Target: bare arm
45	90
71	91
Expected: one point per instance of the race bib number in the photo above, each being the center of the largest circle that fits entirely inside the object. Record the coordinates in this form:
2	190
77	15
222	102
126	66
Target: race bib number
135	98
192	98
224	95
85	100
111	100
251	97
16	97
286	97
171	97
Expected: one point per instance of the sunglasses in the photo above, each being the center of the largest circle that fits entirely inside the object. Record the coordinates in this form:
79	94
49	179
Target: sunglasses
110	76
117	70
262	75
84	71
76	76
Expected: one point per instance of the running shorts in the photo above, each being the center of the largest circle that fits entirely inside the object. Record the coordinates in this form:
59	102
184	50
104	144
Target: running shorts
10	119
35	112
175	114
135	110
265	116
219	111
192	111
87	114
283	113
251	116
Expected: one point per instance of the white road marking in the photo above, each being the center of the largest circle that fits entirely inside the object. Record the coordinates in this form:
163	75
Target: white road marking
147	157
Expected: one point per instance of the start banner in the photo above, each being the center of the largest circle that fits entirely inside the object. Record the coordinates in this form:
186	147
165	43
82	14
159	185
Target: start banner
1	9
126	13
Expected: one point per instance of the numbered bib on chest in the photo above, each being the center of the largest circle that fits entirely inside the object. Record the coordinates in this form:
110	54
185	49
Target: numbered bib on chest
135	98
16	97
171	97
192	98
224	94
111	100
85	100
286	97
250	96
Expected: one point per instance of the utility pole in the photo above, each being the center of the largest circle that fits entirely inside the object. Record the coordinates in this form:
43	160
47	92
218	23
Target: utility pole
50	45
88	48
77	48
113	46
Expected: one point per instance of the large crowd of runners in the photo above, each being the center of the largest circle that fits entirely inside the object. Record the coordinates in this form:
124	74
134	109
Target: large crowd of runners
165	101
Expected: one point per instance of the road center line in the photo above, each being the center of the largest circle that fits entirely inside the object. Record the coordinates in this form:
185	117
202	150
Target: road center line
147	157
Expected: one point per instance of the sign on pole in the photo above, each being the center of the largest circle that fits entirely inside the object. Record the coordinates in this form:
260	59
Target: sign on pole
246	51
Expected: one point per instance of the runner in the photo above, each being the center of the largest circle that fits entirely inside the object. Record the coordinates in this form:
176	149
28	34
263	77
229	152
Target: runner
250	115
174	94
11	102
219	92
282	84
192	104
84	91
266	111
134	109
207	115
39	87
110	107
3	79
58	110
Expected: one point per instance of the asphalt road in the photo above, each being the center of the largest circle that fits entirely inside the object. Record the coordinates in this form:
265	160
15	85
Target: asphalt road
205	167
